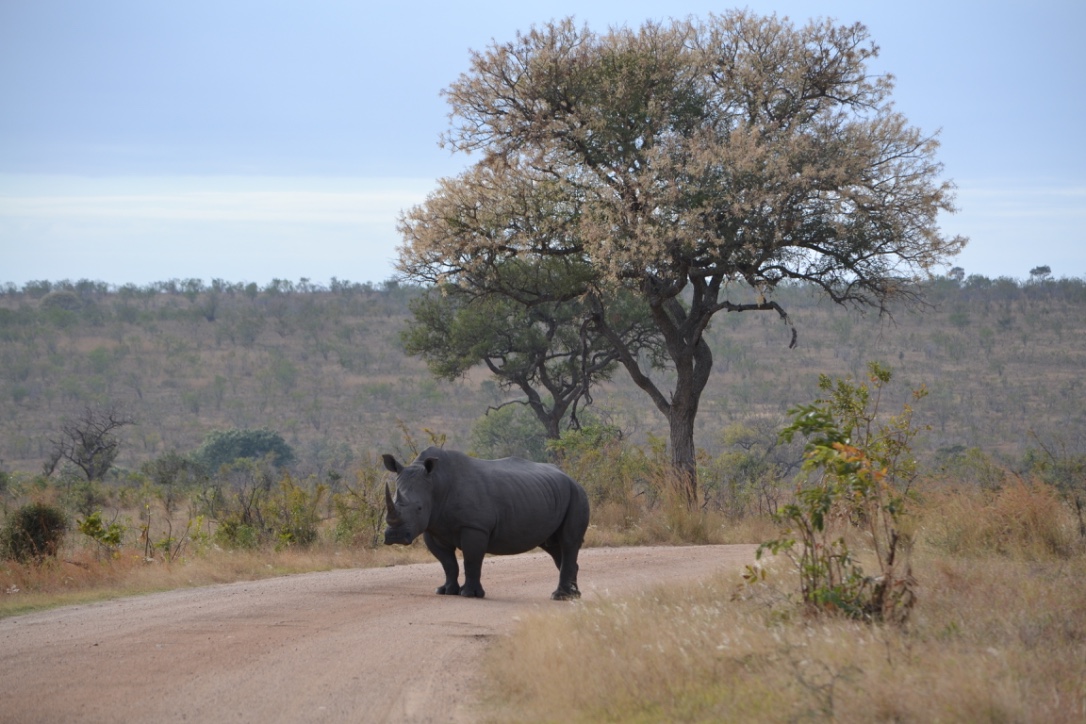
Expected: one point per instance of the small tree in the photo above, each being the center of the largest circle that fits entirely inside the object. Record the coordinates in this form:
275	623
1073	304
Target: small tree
89	442
858	473
243	511
509	431
296	513
1040	273
360	510
171	473
107	536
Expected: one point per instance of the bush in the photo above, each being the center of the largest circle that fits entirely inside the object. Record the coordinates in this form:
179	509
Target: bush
255	511
224	447
859	472
597	458
107	536
360	511
296	513
33	533
508	432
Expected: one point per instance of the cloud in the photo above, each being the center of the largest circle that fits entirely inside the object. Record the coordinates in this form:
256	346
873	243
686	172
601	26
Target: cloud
1010	200
139	230
273	200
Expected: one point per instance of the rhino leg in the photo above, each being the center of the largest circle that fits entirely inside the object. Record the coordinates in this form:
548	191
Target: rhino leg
474	544
567	578
565	559
564	546
447	557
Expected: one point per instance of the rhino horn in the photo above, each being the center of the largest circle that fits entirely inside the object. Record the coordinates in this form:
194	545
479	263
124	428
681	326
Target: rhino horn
393	516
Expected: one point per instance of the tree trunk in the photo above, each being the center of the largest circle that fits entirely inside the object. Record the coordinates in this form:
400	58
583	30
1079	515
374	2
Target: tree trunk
683	452
682	334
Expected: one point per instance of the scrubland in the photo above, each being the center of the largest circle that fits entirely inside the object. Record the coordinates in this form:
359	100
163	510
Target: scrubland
998	633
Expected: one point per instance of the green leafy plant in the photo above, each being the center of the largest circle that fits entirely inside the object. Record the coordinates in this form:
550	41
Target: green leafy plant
597	457
510	430
857	474
108	537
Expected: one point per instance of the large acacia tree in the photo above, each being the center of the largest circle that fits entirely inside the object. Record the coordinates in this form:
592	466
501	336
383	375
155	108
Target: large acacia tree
698	164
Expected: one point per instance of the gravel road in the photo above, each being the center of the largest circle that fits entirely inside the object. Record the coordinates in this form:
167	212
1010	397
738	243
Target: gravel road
354	645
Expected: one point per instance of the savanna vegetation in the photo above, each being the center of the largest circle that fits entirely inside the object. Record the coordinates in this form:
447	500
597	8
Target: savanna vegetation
893	594
915	475
246	455
243	484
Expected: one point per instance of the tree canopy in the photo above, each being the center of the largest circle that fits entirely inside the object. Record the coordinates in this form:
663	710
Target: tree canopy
698	164
547	349
222	447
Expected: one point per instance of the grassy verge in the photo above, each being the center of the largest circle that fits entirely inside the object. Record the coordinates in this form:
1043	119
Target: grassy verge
998	634
81	577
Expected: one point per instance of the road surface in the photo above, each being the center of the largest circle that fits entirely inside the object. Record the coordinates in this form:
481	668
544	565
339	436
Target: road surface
354	645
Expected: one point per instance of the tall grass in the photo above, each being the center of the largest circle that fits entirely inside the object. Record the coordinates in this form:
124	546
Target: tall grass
1026	520
998	634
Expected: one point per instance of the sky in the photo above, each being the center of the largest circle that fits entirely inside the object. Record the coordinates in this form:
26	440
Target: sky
257	140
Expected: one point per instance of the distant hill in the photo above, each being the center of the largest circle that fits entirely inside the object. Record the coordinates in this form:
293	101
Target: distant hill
1004	361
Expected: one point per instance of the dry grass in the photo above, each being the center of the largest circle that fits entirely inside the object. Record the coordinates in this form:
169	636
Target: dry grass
79	576
998	634
1023	520
612	525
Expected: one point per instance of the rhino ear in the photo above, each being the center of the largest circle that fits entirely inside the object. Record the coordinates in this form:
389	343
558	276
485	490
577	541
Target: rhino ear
430	463
391	464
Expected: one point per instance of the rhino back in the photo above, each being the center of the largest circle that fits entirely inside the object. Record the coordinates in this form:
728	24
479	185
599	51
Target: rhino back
518	502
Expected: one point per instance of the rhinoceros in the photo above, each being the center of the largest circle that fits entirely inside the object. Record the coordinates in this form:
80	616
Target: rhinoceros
499	507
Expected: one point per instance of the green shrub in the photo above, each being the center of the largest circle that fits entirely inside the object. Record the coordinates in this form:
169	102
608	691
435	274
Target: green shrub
296	512
222	447
233	533
255	511
33	533
597	458
858	474
108	537
241	504
360	510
